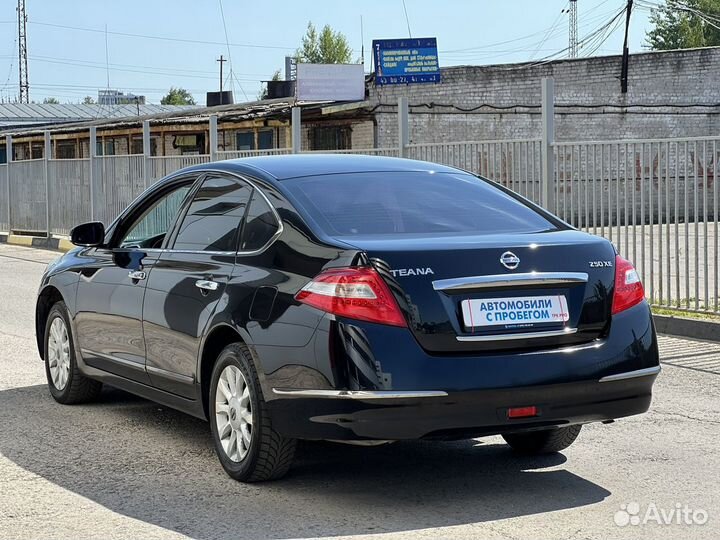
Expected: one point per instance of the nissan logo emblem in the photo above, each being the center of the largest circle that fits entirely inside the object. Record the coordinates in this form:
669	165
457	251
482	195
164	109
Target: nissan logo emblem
509	260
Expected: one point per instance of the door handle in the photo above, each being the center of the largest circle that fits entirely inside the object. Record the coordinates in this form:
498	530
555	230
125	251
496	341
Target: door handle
206	284
136	274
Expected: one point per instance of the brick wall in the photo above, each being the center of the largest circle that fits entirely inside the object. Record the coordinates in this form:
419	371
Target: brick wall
590	106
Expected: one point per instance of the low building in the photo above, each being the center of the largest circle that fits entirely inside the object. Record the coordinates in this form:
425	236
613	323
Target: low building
670	94
116	97
255	126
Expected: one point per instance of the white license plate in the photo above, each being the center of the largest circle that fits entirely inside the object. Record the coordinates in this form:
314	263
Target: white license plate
514	310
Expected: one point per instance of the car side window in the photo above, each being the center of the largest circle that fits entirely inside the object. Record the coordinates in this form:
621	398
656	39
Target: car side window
260	224
151	226
214	216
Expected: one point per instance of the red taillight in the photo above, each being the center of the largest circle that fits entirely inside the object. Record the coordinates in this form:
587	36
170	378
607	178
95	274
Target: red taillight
628	289
355	293
522	412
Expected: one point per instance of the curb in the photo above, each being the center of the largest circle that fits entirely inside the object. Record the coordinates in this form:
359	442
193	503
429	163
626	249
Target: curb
53	243
686	327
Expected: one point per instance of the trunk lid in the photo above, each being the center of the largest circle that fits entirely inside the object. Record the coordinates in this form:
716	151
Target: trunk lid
555	288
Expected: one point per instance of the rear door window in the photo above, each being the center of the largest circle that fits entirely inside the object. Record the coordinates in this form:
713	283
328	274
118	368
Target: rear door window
213	218
260	224
392	203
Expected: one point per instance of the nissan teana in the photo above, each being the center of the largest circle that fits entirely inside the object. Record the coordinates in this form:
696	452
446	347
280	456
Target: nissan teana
348	298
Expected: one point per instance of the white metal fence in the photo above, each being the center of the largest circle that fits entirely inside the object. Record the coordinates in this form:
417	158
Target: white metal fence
236	154
656	199
28	195
116	181
69	193
514	164
161	166
4	199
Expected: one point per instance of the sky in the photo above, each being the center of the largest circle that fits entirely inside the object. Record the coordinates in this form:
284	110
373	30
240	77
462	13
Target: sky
176	43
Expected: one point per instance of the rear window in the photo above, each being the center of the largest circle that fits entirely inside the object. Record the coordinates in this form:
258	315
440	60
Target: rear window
369	204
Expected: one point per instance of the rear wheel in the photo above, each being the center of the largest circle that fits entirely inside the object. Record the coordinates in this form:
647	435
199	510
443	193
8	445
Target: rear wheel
546	441
67	385
249	449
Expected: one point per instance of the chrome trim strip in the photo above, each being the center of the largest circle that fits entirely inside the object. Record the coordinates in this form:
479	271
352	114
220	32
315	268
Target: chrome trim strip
632	374
115	359
358	394
152	370
522	335
502	280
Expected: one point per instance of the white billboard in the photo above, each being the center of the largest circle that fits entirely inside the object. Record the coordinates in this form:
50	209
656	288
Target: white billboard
330	82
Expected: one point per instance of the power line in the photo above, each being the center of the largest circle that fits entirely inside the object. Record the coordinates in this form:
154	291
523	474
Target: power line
162	38
139	68
227	43
476	55
407	19
547	35
587	20
587	39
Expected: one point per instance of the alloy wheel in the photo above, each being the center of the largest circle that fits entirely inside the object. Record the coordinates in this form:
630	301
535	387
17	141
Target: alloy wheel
233	413
59	353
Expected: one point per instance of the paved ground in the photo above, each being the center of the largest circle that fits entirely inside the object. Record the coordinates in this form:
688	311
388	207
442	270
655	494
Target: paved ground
127	468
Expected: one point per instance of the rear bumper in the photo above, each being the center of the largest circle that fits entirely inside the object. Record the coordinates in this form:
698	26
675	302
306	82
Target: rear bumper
393	415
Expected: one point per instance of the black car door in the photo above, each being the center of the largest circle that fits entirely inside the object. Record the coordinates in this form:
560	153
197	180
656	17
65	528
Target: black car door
112	284
189	278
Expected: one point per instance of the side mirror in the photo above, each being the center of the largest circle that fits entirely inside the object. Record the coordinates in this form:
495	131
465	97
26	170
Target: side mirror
88	234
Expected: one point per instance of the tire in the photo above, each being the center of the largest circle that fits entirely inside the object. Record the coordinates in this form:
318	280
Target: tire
268	455
67	385
546	441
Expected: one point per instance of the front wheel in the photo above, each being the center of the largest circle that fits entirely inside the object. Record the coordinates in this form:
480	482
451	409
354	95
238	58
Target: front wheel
546	441
249	449
67	385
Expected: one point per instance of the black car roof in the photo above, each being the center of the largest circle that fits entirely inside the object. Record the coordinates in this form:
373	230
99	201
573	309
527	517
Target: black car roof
297	165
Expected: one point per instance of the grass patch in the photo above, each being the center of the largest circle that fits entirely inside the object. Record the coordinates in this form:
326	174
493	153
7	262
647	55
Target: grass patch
686	314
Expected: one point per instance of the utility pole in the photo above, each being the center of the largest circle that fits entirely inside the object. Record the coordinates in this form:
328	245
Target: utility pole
573	35
626	51
222	61
24	83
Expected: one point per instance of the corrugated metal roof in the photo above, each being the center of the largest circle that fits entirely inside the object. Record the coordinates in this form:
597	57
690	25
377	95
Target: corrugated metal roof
241	111
36	113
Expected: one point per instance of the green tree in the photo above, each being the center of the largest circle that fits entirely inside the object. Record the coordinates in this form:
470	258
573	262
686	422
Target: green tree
88	100
178	96
51	101
326	47
263	93
684	25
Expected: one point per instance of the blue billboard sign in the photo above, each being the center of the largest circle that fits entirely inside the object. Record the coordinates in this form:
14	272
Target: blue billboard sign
406	61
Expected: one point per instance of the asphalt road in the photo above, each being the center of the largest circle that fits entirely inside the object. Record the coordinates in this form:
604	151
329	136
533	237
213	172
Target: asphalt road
127	468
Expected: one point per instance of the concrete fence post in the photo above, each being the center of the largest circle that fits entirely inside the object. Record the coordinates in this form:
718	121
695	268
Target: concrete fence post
547	182
403	126
147	152
91	168
213	137
296	126
46	159
8	162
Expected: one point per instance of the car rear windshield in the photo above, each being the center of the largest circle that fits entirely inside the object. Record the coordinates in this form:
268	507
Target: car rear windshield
370	204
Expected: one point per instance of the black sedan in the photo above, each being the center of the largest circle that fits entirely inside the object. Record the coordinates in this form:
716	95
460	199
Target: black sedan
348	298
